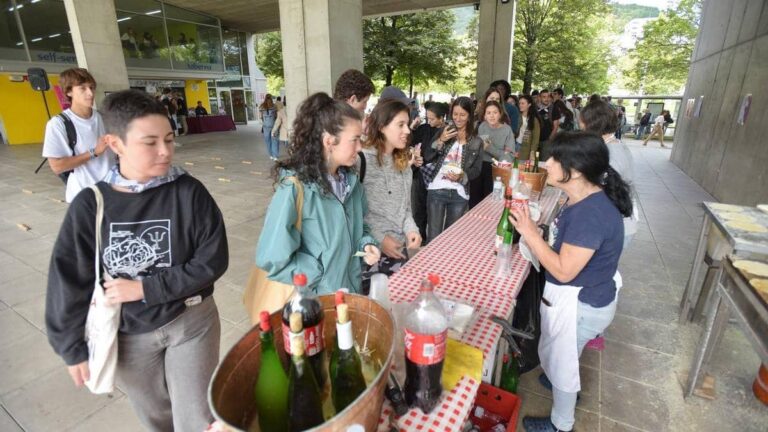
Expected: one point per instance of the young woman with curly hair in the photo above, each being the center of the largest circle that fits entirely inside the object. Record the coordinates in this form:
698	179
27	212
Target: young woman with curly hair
387	182
322	152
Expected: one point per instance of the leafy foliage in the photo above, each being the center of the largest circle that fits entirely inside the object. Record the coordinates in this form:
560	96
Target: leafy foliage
410	49
625	13
562	43
269	54
660	61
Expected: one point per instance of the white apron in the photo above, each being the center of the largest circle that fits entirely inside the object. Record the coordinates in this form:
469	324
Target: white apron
558	345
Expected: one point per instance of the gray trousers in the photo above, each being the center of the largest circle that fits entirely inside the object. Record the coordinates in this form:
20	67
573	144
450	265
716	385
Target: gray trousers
165	372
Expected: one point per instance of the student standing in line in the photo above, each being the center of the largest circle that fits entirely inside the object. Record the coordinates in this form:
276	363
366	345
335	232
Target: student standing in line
422	138
280	129
498	143
458	162
387	182
527	139
324	147
164	247
91	158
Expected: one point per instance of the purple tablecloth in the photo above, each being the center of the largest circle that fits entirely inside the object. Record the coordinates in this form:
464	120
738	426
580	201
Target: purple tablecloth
204	124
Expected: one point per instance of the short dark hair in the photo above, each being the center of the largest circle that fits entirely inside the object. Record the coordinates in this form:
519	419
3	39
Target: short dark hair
599	118
353	83
535	93
166	90
440	109
74	77
503	84
119	109
543	91
559	91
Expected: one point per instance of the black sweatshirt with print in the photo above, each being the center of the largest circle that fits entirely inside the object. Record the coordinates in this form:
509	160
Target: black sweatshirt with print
172	237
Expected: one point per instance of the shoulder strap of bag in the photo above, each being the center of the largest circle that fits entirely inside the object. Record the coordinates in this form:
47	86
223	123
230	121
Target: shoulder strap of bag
299	199
71	132
99	219
362	166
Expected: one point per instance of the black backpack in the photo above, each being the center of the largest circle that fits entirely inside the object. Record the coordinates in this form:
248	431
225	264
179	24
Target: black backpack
71	140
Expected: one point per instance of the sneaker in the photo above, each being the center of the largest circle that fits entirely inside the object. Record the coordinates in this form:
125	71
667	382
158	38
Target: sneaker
539	424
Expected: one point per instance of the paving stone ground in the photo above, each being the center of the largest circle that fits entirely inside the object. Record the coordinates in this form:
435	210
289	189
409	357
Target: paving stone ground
636	384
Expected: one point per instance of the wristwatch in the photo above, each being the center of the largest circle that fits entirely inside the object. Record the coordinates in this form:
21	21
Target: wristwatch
93	153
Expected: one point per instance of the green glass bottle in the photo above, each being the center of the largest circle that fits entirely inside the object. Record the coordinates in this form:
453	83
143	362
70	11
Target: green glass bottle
510	374
504	224
272	384
536	163
305	404
347	382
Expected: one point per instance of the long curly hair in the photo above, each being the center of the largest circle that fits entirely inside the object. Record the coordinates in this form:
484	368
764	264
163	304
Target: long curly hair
317	115
382	115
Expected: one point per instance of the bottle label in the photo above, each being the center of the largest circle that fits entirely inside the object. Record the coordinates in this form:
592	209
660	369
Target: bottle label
519	201
344	335
313	339
425	349
498	242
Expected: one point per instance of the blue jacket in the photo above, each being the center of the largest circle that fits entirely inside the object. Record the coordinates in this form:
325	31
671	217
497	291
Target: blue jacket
331	233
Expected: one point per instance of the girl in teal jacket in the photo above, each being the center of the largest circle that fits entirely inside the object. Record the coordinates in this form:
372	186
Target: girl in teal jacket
325	143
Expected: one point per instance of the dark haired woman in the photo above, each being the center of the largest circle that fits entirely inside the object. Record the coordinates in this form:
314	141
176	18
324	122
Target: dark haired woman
527	140
498	143
458	161
324	147
581	262
491	95
422	139
387	184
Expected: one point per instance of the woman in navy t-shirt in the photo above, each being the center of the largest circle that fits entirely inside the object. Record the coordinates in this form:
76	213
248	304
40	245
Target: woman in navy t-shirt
581	262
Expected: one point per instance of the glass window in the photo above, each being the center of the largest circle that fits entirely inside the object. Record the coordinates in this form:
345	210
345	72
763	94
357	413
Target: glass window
244	53
147	7
232	52
187	15
143	40
195	47
11	45
47	31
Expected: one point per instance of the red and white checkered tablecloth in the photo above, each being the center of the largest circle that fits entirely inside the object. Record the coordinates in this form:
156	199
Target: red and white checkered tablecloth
448	417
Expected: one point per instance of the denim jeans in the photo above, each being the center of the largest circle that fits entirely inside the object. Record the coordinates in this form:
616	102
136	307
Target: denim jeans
273	144
165	372
641	131
444	207
590	322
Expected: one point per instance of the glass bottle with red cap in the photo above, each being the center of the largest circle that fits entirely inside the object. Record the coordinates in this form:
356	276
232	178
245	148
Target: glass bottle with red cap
305	302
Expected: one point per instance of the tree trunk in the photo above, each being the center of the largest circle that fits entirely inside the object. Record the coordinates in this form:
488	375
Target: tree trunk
390	74
528	74
410	84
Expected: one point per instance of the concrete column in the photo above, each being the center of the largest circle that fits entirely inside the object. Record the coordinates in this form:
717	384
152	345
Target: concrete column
321	39
93	24
495	41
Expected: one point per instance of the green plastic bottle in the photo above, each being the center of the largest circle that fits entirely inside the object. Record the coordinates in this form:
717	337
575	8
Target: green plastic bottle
272	384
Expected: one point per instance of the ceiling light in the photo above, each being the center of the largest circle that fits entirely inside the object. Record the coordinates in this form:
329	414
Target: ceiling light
154	12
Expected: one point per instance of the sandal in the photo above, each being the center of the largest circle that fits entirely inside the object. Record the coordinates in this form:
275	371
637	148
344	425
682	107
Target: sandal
539	424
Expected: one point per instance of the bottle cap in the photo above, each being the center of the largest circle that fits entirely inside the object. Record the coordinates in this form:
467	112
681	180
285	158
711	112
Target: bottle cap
264	321
339	297
295	322
433	279
300	279
506	358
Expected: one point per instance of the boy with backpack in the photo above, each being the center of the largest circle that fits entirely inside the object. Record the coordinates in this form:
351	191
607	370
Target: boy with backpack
164	246
73	139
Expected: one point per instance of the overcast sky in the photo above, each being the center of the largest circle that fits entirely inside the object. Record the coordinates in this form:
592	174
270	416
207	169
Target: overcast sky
661	4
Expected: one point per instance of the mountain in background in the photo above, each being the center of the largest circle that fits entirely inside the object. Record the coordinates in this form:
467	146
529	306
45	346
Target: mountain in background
463	16
625	13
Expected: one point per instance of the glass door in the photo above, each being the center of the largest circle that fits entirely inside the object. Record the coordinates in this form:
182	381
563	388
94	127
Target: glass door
226	103
239	112
250	105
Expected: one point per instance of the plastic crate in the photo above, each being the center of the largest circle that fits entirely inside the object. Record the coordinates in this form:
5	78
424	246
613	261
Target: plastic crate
501	402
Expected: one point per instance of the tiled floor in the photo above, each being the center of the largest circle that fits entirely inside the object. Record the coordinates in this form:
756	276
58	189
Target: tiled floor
635	384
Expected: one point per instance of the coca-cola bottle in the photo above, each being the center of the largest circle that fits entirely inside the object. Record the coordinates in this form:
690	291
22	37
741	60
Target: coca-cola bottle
304	302
426	334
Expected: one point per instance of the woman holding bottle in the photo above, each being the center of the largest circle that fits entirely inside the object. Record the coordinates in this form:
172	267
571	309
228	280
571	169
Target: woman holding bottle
581	261
527	140
459	160
333	234
387	184
498	143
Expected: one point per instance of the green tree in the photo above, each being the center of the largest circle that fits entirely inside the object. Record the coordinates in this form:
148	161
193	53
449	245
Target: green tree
269	54
660	61
411	48
562	43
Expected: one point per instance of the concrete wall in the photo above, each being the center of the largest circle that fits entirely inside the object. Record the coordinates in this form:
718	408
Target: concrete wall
729	61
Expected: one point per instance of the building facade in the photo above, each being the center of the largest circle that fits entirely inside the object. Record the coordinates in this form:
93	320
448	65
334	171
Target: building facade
163	46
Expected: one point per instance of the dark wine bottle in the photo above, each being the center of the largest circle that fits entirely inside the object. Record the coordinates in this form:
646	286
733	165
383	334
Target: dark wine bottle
305	404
